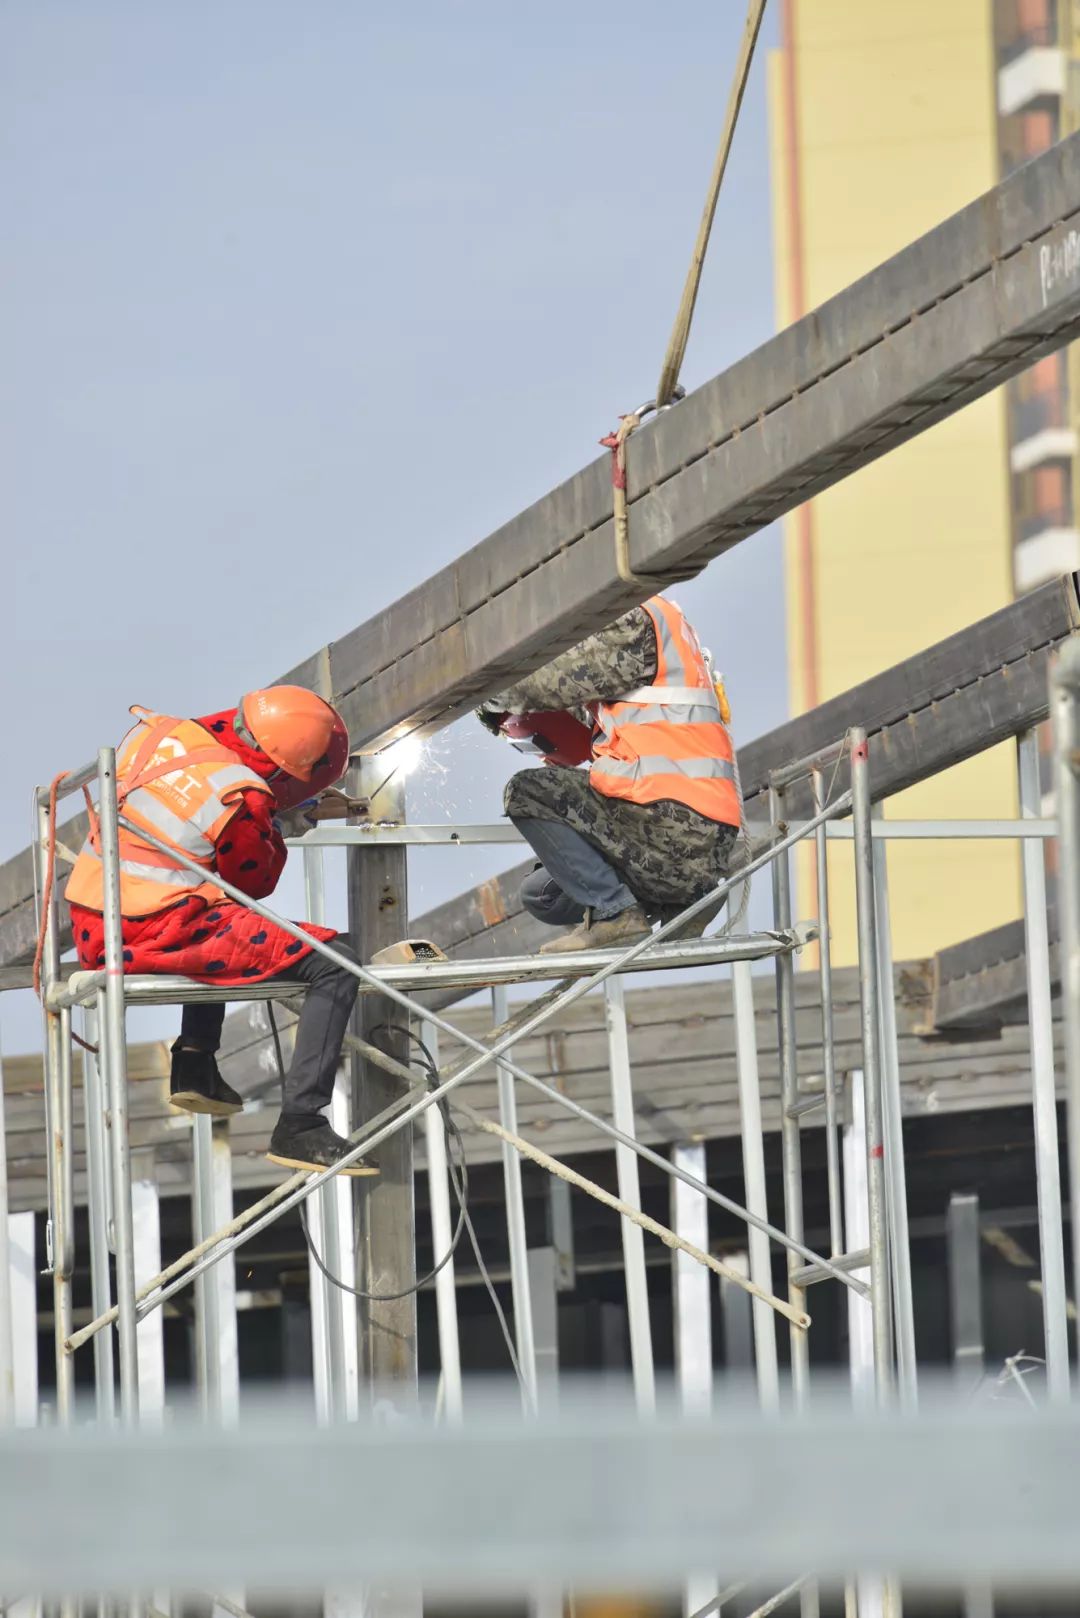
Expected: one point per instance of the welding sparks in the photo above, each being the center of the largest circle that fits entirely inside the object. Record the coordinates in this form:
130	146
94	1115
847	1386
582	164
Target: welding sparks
402	757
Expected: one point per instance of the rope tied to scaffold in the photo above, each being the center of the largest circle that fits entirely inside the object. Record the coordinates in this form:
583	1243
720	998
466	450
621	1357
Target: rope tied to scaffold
47	896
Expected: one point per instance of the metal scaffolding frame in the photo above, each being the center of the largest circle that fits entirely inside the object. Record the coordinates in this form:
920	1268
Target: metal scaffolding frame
865	1185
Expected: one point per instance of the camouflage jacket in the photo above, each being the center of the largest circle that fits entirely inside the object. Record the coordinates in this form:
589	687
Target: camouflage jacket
665	852
601	668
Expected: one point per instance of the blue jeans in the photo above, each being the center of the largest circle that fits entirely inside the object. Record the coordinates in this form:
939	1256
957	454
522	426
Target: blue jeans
574	877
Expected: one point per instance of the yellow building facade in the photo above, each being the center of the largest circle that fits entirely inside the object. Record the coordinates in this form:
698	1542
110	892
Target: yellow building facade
883	120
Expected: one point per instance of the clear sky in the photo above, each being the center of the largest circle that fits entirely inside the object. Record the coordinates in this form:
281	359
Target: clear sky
302	300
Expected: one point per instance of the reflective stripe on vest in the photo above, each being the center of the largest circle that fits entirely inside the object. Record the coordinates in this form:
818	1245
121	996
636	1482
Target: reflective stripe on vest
173	876
695	769
667	740
178	783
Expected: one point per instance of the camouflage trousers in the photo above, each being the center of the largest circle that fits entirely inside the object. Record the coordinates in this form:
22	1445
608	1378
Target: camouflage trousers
664	852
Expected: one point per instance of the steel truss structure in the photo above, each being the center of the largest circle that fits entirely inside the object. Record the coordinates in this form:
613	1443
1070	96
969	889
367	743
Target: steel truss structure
868	1248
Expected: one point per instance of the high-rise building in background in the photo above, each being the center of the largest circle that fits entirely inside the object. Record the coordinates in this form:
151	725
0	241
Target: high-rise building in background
884	119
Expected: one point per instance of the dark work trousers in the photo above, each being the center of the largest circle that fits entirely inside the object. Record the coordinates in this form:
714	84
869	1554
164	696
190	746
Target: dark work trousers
576	875
324	1022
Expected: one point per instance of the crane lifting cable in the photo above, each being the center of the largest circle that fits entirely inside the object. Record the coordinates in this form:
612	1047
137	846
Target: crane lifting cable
680	332
668	389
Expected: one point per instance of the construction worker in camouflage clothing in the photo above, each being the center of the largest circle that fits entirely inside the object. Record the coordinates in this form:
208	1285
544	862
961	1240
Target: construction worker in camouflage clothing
652	824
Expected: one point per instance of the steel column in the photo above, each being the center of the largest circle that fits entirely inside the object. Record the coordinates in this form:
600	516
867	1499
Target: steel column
737	1322
386	1253
753	1157
543	1300
217	1361
146	1247
629	1186
692	1300
441	1237
524	1337
1065	699
22	1238
1040	1022
892	1118
877	1239
963	1250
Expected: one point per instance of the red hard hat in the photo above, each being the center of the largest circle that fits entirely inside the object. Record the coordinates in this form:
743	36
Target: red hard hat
558	738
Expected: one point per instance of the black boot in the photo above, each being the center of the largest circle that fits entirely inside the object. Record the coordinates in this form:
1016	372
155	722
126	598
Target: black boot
305	1141
195	1085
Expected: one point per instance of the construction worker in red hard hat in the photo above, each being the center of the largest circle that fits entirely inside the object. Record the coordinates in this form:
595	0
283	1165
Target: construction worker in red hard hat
652	823
220	789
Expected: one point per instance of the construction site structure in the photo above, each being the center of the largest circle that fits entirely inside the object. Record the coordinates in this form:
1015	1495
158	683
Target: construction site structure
868	1249
985	294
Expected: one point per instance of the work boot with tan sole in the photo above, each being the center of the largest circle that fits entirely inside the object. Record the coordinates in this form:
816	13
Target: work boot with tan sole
625	928
196	1085
310	1143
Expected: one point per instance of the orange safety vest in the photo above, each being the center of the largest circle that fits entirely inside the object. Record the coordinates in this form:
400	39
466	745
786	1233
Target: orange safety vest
176	781
668	739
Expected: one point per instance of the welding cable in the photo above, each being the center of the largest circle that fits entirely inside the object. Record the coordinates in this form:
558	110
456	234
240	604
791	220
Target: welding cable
459	1180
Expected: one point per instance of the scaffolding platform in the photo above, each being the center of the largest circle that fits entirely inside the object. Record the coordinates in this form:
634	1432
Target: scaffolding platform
160	990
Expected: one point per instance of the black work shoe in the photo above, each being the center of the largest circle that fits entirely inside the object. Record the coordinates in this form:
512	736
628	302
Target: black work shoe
310	1143
195	1085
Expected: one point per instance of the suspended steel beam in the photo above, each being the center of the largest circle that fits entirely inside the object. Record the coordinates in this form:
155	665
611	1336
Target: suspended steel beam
952	315
945	320
945	704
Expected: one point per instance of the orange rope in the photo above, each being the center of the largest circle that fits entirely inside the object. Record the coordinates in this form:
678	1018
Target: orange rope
50	874
46	900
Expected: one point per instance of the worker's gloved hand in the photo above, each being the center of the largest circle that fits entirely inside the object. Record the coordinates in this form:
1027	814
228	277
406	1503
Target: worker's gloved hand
490	719
295	822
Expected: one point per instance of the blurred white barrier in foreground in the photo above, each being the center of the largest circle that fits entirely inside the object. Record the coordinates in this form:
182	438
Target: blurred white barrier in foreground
590	1496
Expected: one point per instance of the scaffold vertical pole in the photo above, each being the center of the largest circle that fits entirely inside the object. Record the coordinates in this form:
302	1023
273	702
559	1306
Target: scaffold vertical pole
629	1185
864	1595
692	1298
333	1313
7	1324
97	1210
441	1237
114	1067
1065	707
1040	1023
791	1143
521	1294
828	1046
59	1235
386	1252
892	1118
753	1156
870	1017
790	1138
